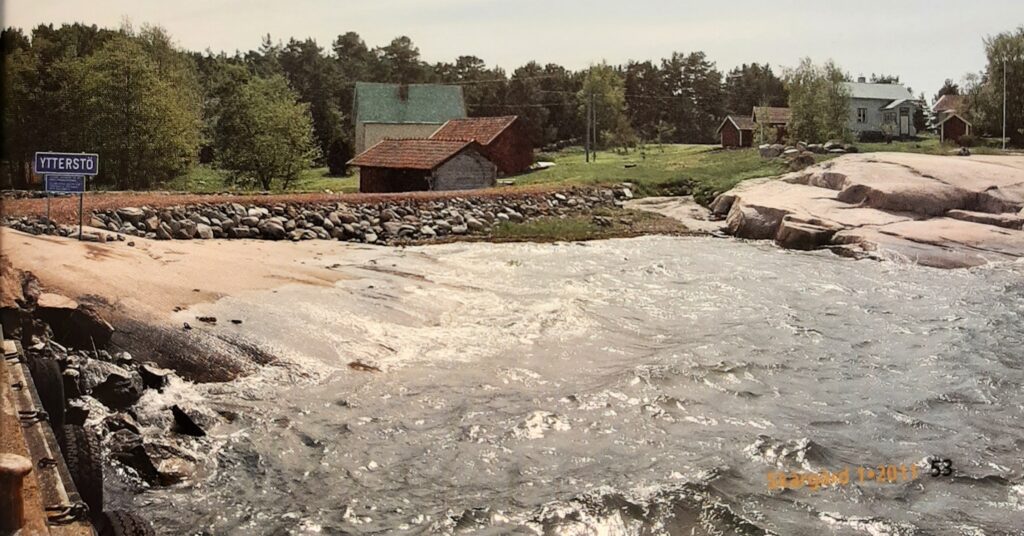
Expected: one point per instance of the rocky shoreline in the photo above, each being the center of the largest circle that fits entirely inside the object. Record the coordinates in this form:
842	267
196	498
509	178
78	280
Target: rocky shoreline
939	211
384	222
146	421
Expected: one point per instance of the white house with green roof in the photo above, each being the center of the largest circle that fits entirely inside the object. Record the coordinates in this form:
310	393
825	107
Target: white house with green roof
887	108
402	111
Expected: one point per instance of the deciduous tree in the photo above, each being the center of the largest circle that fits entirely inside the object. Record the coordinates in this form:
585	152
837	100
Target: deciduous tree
264	134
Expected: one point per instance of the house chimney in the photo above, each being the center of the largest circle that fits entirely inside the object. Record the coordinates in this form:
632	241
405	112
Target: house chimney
861	79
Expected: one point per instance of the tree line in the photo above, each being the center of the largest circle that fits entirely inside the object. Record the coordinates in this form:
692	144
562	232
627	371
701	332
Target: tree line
152	110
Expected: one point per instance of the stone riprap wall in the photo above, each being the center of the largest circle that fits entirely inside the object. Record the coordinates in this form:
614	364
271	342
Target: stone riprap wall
373	223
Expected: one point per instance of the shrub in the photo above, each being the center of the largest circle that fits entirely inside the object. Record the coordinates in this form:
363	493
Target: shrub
967	140
871	136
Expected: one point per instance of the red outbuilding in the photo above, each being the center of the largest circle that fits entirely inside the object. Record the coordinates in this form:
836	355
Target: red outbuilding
737	131
952	125
504	140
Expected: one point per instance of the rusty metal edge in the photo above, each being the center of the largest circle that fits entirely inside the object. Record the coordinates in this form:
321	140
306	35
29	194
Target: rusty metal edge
61	500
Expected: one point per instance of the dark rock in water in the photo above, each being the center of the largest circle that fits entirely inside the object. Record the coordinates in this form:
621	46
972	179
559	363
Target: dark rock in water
157	462
229	415
362	367
75	412
121	421
119	388
92	372
183	424
154	377
71	385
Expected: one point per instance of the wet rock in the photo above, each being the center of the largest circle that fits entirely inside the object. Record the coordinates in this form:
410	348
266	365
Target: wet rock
935	210
121	421
154	377
794	234
184	424
120	390
72	388
156	461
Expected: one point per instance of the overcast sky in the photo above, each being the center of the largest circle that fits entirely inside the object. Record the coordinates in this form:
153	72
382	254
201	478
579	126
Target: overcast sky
923	42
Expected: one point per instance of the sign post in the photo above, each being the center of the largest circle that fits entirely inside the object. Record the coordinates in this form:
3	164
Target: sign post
66	173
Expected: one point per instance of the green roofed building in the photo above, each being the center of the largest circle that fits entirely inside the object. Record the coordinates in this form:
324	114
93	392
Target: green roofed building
403	111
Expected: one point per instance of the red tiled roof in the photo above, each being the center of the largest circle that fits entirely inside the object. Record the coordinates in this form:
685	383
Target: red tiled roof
776	116
415	153
480	129
948	102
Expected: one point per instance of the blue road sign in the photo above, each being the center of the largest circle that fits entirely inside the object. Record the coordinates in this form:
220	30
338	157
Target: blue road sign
65	183
66	164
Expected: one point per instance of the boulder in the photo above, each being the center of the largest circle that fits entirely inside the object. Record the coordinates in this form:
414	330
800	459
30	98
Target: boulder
74	324
184	424
154	377
793	234
114	386
131	214
204	231
801	161
768	151
155	461
934	210
272	231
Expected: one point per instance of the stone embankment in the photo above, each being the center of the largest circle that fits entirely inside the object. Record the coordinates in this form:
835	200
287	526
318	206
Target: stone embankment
940	211
374	223
148	419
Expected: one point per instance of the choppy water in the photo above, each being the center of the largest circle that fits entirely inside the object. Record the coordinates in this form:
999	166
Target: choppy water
641	386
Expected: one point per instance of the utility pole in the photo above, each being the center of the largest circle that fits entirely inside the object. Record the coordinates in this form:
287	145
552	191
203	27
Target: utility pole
586	135
1004	102
593	125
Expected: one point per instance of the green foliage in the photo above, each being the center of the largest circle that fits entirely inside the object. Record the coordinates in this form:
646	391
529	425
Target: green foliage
129	96
984	92
819	102
264	134
693	103
753	85
602	86
208	179
140	109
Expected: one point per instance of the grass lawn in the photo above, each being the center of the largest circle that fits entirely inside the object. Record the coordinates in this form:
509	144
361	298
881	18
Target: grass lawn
706	170
617	224
927	145
205	179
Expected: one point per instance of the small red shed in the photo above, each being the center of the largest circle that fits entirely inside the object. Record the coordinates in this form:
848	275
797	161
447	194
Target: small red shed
504	140
952	127
737	131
